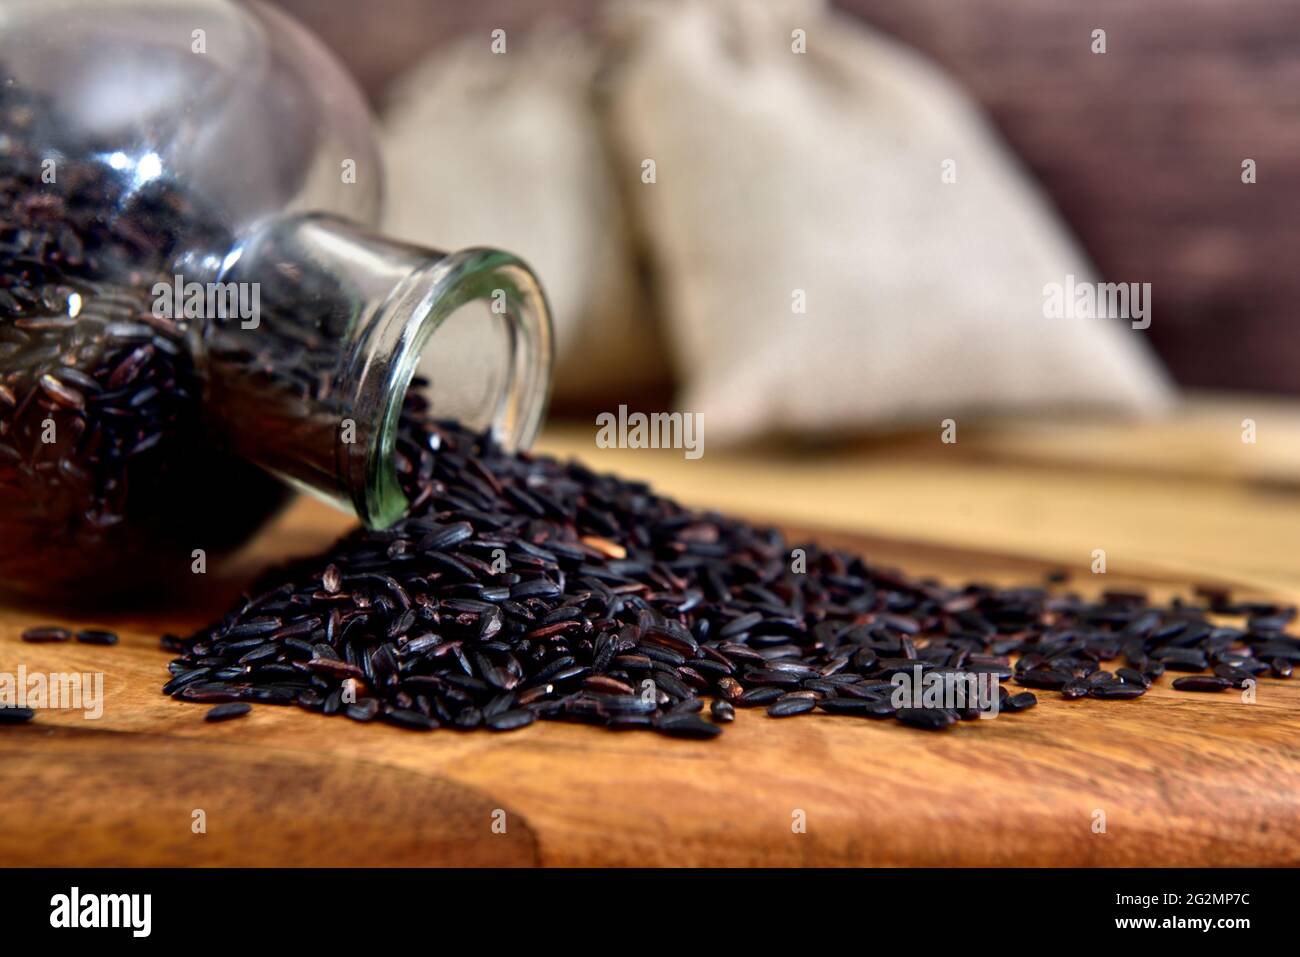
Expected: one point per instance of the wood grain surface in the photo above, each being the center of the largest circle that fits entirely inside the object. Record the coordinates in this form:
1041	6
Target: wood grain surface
1182	779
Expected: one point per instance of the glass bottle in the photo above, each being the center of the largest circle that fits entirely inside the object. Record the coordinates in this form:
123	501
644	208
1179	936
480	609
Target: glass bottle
190	286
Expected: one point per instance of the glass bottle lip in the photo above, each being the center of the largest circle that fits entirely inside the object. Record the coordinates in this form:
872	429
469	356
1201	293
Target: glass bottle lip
389	357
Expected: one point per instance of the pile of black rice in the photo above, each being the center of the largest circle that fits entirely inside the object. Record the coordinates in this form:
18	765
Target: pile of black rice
521	587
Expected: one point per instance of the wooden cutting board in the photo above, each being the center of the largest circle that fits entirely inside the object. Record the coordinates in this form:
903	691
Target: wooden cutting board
1175	778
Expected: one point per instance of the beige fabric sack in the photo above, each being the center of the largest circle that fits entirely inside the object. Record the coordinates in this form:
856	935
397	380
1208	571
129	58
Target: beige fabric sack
504	150
780	174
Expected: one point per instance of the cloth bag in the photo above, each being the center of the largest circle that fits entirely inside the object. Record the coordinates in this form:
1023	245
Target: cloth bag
817	273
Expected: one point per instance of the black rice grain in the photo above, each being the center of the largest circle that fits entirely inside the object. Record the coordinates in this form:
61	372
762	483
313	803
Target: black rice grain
687	726
1202	683
1073	690
96	636
1020	702
787	707
46	634
1117	691
225	712
510	720
928	719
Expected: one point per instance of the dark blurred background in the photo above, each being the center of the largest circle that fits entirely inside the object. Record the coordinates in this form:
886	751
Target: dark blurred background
1141	151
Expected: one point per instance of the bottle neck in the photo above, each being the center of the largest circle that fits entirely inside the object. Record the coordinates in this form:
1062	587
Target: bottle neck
308	374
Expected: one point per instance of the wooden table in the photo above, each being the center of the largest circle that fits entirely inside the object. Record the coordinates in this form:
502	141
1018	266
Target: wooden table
1180	779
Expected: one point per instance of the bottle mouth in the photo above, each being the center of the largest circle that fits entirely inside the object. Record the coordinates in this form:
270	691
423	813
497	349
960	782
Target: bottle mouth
475	323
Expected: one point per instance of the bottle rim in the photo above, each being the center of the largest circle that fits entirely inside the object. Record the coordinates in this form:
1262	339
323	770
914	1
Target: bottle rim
419	306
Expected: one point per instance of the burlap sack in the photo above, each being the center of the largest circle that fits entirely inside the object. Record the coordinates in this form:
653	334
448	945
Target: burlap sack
784	178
